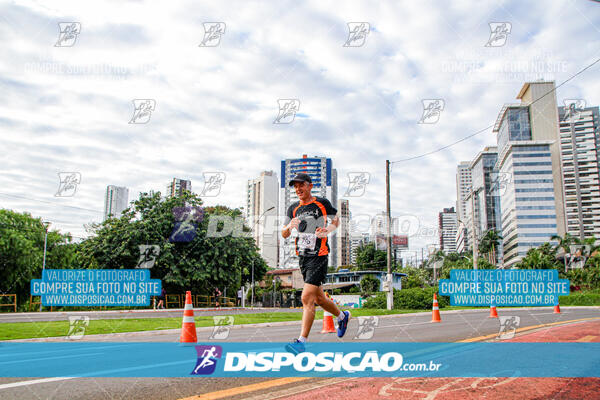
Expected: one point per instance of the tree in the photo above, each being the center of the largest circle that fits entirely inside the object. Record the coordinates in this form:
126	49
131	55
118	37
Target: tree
591	250
370	259
415	277
564	244
198	264
368	285
489	243
22	250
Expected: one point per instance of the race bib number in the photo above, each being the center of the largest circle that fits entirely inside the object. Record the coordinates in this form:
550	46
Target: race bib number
307	241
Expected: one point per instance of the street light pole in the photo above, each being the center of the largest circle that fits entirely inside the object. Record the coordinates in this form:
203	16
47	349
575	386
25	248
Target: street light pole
390	293
46	224
252	303
254	228
274	292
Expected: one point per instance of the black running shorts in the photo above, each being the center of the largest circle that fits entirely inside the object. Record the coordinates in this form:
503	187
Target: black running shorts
314	269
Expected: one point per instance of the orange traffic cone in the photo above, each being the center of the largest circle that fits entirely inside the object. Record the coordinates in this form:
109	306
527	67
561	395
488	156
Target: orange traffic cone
493	312
188	328
328	323
557	308
436	310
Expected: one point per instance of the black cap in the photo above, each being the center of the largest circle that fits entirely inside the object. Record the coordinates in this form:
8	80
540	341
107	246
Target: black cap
300	178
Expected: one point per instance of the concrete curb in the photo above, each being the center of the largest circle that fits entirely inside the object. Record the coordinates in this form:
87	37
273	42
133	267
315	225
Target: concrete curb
274	324
261	309
157	332
135	311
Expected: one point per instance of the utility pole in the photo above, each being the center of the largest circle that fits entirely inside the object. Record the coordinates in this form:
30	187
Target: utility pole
257	244
390	294
46	224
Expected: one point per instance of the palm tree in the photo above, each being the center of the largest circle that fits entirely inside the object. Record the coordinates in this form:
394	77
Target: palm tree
433	260
489	243
564	243
590	248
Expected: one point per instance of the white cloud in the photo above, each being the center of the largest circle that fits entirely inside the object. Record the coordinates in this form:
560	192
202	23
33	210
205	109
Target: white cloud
67	109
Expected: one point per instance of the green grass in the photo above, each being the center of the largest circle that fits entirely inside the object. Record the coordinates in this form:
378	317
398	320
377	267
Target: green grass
26	330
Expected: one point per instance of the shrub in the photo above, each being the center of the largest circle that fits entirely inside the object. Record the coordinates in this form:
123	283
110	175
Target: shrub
587	298
411	299
368	285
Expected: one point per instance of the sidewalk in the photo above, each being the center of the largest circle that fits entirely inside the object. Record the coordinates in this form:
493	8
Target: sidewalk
475	388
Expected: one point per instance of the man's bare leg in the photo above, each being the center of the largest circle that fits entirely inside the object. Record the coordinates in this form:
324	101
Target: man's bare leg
326	303
312	294
309	298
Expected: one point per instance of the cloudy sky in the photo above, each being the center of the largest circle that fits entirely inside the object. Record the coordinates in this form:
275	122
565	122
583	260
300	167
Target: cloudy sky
67	102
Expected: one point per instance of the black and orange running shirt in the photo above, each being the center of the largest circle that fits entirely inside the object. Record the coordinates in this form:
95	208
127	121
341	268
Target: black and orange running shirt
311	215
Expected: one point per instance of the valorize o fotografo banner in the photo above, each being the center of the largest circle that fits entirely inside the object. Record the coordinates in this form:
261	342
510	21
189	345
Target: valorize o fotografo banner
512	287
95	287
333	359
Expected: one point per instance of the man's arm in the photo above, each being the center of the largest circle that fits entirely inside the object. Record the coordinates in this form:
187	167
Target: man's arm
323	232
289	224
286	231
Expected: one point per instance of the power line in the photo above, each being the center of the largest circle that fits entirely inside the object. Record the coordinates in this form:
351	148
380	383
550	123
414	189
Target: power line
48	202
491	126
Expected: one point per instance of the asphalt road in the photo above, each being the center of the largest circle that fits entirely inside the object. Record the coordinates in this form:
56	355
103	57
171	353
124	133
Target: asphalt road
455	326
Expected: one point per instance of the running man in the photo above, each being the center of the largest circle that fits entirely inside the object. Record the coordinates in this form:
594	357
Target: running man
207	361
309	217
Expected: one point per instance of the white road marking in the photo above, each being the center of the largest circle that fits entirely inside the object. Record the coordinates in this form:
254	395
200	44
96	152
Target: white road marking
33	382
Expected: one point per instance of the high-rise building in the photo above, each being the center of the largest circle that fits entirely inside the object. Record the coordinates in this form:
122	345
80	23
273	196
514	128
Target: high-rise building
463	188
115	201
543	113
379	230
261	215
485	196
461	238
177	187
447	225
579	129
356	241
324	179
529	171
342	234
